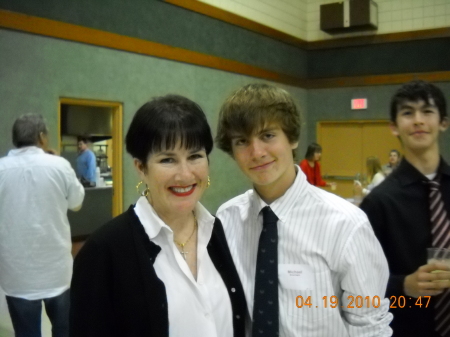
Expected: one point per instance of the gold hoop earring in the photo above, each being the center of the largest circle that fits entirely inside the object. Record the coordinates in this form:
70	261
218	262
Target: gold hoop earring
209	182
144	193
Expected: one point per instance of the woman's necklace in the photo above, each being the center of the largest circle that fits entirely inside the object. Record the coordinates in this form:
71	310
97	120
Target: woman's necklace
183	252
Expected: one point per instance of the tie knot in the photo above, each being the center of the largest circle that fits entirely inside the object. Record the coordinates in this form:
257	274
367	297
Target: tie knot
434	184
269	216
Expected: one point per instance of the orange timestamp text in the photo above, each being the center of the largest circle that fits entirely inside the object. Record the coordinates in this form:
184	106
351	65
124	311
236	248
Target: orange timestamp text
409	302
333	302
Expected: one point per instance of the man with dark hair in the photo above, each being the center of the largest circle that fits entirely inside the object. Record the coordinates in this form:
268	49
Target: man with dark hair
410	211
303	254
86	163
36	190
394	161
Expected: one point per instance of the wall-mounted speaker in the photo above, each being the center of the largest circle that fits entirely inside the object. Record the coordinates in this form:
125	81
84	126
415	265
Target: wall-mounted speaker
349	16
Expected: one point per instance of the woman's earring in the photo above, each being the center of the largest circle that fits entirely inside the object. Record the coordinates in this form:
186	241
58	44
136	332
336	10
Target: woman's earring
209	182
144	193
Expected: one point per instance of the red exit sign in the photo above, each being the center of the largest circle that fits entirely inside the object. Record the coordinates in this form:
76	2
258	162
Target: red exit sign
359	103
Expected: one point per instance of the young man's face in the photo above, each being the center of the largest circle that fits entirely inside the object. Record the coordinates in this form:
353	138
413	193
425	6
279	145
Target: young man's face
418	125
266	158
393	158
82	146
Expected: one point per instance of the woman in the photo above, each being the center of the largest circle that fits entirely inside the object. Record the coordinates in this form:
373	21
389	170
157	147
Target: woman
163	267
311	167
375	175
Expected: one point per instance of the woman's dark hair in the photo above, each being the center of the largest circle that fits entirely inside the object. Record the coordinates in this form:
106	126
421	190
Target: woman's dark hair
312	148
163	122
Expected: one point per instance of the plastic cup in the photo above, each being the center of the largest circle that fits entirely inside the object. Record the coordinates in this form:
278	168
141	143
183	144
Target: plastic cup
440	255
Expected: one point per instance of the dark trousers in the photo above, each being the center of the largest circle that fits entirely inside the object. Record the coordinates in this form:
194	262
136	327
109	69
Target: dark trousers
26	315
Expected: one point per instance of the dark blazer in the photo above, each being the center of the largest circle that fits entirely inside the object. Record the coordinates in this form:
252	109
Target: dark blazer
399	212
116	292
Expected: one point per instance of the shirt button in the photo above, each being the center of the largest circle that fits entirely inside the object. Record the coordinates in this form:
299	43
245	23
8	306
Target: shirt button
238	317
233	290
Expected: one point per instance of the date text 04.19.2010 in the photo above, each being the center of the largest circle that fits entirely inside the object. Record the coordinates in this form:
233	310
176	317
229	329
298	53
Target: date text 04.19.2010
333	302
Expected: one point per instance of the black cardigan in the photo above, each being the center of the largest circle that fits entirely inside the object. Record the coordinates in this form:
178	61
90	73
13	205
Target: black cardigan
115	290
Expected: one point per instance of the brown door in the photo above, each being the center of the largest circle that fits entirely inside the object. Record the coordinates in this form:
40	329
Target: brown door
345	147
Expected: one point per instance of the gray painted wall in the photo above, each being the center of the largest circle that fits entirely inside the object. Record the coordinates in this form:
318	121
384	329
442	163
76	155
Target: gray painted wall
158	21
36	71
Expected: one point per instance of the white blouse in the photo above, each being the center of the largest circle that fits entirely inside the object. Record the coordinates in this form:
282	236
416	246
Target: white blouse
196	308
377	179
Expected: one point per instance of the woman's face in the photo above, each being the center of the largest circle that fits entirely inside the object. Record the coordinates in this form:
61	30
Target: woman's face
317	156
176	179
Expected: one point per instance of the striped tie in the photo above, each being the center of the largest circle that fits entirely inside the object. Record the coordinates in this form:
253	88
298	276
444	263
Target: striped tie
440	232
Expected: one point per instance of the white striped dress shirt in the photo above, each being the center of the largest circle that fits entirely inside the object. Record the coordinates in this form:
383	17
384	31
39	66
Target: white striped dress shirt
332	237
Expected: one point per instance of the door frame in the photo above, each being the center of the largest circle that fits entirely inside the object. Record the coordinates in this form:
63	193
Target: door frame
117	147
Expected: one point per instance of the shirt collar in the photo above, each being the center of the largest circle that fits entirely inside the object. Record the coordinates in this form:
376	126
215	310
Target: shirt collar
25	151
407	174
282	206
153	224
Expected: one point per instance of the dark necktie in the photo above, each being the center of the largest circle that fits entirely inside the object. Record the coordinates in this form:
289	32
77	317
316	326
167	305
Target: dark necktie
265	303
440	232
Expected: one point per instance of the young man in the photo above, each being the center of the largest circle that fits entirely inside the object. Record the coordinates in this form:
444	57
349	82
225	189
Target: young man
394	161
309	248
408	217
86	163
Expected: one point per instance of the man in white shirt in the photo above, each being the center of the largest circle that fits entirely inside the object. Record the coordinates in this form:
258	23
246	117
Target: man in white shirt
36	190
332	272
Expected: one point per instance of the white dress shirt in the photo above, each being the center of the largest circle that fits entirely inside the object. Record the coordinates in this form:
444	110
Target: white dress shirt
196	308
36	189
334	240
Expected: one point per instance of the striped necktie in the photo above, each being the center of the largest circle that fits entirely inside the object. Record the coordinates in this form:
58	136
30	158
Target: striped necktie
265	301
440	232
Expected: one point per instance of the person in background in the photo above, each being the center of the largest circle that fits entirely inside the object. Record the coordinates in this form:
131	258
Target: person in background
375	175
410	212
162	268
394	161
36	190
295	245
86	163
311	167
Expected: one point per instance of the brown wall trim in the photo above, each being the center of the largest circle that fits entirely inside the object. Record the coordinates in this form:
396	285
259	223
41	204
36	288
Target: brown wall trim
220	14
66	31
381	38
234	19
361	81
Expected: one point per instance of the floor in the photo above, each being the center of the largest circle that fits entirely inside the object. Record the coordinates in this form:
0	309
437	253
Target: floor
6	329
